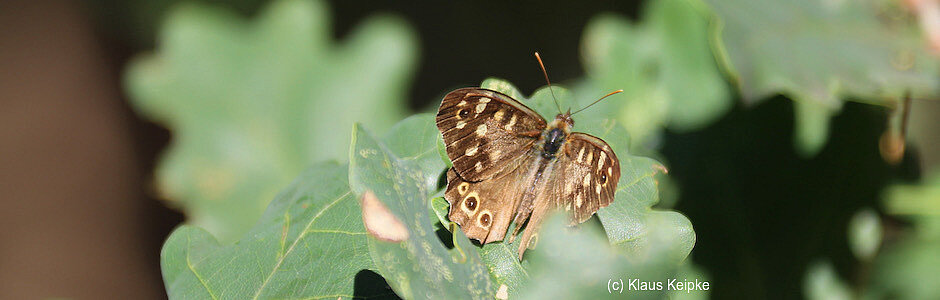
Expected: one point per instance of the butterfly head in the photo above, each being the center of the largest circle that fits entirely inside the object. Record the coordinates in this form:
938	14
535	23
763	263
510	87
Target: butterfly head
564	121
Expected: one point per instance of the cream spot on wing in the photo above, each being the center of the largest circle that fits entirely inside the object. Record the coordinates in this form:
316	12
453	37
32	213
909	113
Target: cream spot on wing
610	171
462	103
470	151
590	157
569	187
494	155
498	115
481	130
512	121
480	107
484	100
461	124
600	161
478	166
587	180
534	241
581	155
463	187
597	189
578	200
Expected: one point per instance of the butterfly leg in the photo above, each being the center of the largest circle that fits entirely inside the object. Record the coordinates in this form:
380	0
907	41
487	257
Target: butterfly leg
530	235
531	133
519	220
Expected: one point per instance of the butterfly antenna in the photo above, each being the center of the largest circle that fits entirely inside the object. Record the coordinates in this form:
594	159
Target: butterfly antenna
598	100
549	82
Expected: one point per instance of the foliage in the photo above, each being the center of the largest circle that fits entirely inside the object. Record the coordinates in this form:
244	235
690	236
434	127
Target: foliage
250	104
904	268
865	233
664	65
821	53
822	283
420	266
317	217
907	269
309	243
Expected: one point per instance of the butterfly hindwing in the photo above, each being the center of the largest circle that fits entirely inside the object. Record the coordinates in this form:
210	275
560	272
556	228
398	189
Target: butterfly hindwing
486	133
585	178
483	209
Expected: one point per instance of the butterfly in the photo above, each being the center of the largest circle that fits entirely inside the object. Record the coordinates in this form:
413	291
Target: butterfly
510	165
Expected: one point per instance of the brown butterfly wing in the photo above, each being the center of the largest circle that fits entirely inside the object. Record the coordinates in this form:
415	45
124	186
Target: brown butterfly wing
583	180
486	133
586	176
483	209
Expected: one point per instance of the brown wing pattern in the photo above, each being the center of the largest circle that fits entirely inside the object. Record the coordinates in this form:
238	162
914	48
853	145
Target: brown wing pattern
483	209
585	177
486	133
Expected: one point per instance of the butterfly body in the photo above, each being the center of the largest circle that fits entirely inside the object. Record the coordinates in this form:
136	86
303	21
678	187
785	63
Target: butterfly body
510	165
555	137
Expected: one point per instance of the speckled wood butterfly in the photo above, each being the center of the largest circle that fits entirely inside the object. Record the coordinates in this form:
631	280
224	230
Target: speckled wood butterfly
509	164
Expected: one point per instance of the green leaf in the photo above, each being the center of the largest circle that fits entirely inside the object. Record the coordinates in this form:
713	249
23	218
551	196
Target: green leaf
904	267
691	272
420	266
415	139
865	234
664	65
251	103
579	264
907	269
820	53
915	199
822	282
310	243
630	222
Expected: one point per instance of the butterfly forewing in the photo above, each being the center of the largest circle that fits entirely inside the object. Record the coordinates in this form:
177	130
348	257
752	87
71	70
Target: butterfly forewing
486	133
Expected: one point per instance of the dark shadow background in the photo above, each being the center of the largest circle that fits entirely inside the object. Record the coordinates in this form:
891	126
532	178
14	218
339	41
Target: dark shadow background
79	219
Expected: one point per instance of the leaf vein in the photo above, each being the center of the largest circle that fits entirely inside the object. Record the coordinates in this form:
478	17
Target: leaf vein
299	237
192	268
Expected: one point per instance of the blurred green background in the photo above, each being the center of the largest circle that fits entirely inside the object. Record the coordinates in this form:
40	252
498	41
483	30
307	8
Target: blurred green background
121	117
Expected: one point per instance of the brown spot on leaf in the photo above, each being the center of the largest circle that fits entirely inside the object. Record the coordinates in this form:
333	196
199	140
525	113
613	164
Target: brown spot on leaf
891	147
503	292
660	168
379	220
